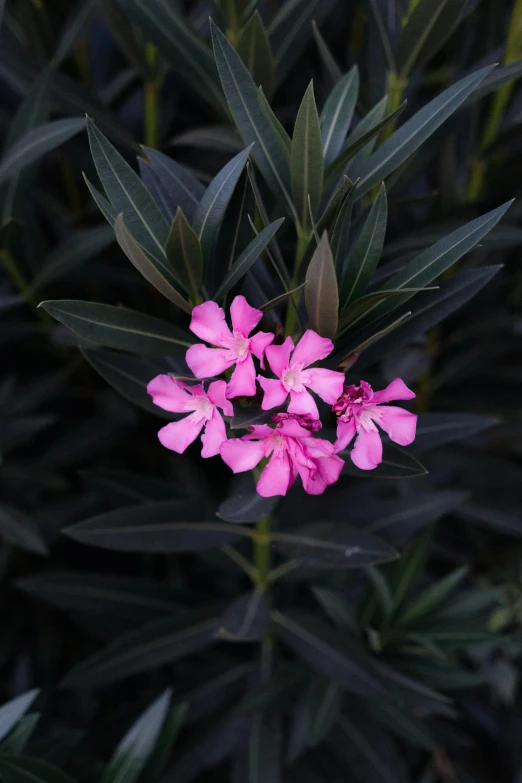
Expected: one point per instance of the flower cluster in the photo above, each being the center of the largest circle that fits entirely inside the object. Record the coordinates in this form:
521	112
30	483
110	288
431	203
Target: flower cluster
287	445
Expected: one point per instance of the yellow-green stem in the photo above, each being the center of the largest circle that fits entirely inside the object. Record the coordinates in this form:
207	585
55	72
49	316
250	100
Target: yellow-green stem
499	103
232	14
396	86
152	87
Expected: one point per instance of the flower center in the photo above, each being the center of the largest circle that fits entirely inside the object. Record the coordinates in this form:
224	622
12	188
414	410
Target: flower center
276	443
238	346
201	406
294	379
354	401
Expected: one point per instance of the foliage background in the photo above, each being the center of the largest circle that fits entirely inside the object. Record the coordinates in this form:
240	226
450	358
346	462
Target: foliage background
128	655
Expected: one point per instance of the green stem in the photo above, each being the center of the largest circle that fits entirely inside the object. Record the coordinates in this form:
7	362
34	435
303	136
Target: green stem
499	104
303	240
152	86
396	86
20	283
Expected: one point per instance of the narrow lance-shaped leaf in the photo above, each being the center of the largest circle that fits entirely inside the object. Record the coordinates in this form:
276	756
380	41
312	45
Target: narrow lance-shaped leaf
342	230
429	26
187	54
171	184
415	131
160	275
306	159
327	57
248	257
240	90
211	209
184	253
254	49
337	114
333	545
321	292
128	195
365	254
118	327
358	143
12	711
132	753
36	143
25	769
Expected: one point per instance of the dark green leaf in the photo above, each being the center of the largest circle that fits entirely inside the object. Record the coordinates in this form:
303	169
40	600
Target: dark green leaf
156	644
409	728
246	619
254	49
128	195
154	527
36	143
415	131
105	207
247	258
76	249
366	252
184	253
159	273
291	30
428	27
190	58
129	375
244	504
358	142
329	653
18	738
269	151
333	545
82	592
161	753
281	298
306	159
175	186
430	308
211	209
438	429
321	293
264	749
11	712
135	748
431	599
118	327
396	463
366	749
324	704
23	769
75	28
327	57
337	114
500	76
393	518
338	610
274	122
382	28
19	531
341	231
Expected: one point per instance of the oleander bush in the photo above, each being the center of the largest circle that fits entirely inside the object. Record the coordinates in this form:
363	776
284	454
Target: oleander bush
261	222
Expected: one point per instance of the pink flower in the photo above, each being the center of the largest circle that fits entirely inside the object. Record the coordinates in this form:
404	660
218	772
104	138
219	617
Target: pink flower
236	347
172	395
359	410
290	365
292	450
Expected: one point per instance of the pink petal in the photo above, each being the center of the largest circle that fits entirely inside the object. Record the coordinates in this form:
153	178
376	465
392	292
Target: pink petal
311	347
167	393
243	381
259	342
328	384
178	435
279	355
318	447
303	403
292	429
276	478
244	317
327	473
345	433
258	431
241	455
214	435
399	424
275	393
216	394
207	362
208	323
367	453
396	390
